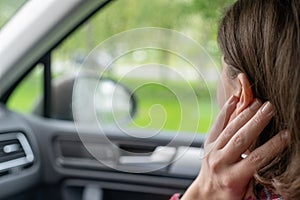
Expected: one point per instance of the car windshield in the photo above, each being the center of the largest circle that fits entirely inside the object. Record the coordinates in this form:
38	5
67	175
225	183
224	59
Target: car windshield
8	8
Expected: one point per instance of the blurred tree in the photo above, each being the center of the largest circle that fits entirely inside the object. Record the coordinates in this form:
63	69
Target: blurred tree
195	18
210	9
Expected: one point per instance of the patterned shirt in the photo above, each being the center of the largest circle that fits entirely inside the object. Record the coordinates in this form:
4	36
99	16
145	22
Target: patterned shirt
264	194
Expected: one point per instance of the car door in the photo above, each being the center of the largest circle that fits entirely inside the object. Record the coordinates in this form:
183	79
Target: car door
110	101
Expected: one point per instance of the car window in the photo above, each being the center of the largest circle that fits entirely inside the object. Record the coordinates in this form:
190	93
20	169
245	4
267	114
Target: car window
27	94
164	90
8	8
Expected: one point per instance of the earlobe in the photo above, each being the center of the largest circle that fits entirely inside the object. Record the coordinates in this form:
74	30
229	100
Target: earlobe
245	93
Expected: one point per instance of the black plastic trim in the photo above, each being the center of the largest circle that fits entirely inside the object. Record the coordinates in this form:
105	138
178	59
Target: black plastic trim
47	85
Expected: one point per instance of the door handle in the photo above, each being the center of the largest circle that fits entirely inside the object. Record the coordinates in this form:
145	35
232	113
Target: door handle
160	155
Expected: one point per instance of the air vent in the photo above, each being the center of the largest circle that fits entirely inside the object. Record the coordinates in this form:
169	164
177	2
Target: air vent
15	151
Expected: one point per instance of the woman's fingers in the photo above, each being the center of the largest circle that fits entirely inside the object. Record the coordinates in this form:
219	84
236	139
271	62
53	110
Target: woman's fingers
247	134
261	156
222	119
237	123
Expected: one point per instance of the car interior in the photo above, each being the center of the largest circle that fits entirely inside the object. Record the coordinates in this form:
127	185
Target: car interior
43	153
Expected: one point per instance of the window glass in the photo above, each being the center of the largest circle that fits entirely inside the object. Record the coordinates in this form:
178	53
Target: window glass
7	10
164	84
28	93
168	91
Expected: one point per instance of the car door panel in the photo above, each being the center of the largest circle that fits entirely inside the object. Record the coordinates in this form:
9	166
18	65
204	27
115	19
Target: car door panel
69	173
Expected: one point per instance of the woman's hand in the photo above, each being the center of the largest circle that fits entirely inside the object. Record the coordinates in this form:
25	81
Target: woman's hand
224	174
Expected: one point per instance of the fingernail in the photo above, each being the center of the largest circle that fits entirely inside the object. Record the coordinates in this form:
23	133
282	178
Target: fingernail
267	109
255	105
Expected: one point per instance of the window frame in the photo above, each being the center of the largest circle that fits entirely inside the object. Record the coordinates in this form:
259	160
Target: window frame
45	60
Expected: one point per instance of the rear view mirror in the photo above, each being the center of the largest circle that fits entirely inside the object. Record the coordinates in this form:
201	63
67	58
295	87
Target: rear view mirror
90	100
102	101
113	103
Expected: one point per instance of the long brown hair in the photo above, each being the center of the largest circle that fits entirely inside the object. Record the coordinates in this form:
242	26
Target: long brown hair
261	38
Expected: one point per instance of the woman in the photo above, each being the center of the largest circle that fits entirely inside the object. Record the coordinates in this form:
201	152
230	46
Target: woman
260	41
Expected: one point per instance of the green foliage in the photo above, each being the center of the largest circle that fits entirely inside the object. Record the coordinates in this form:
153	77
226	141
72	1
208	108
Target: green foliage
211	10
195	18
27	94
159	108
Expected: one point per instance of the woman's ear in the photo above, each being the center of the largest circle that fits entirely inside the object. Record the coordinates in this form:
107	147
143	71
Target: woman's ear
245	93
